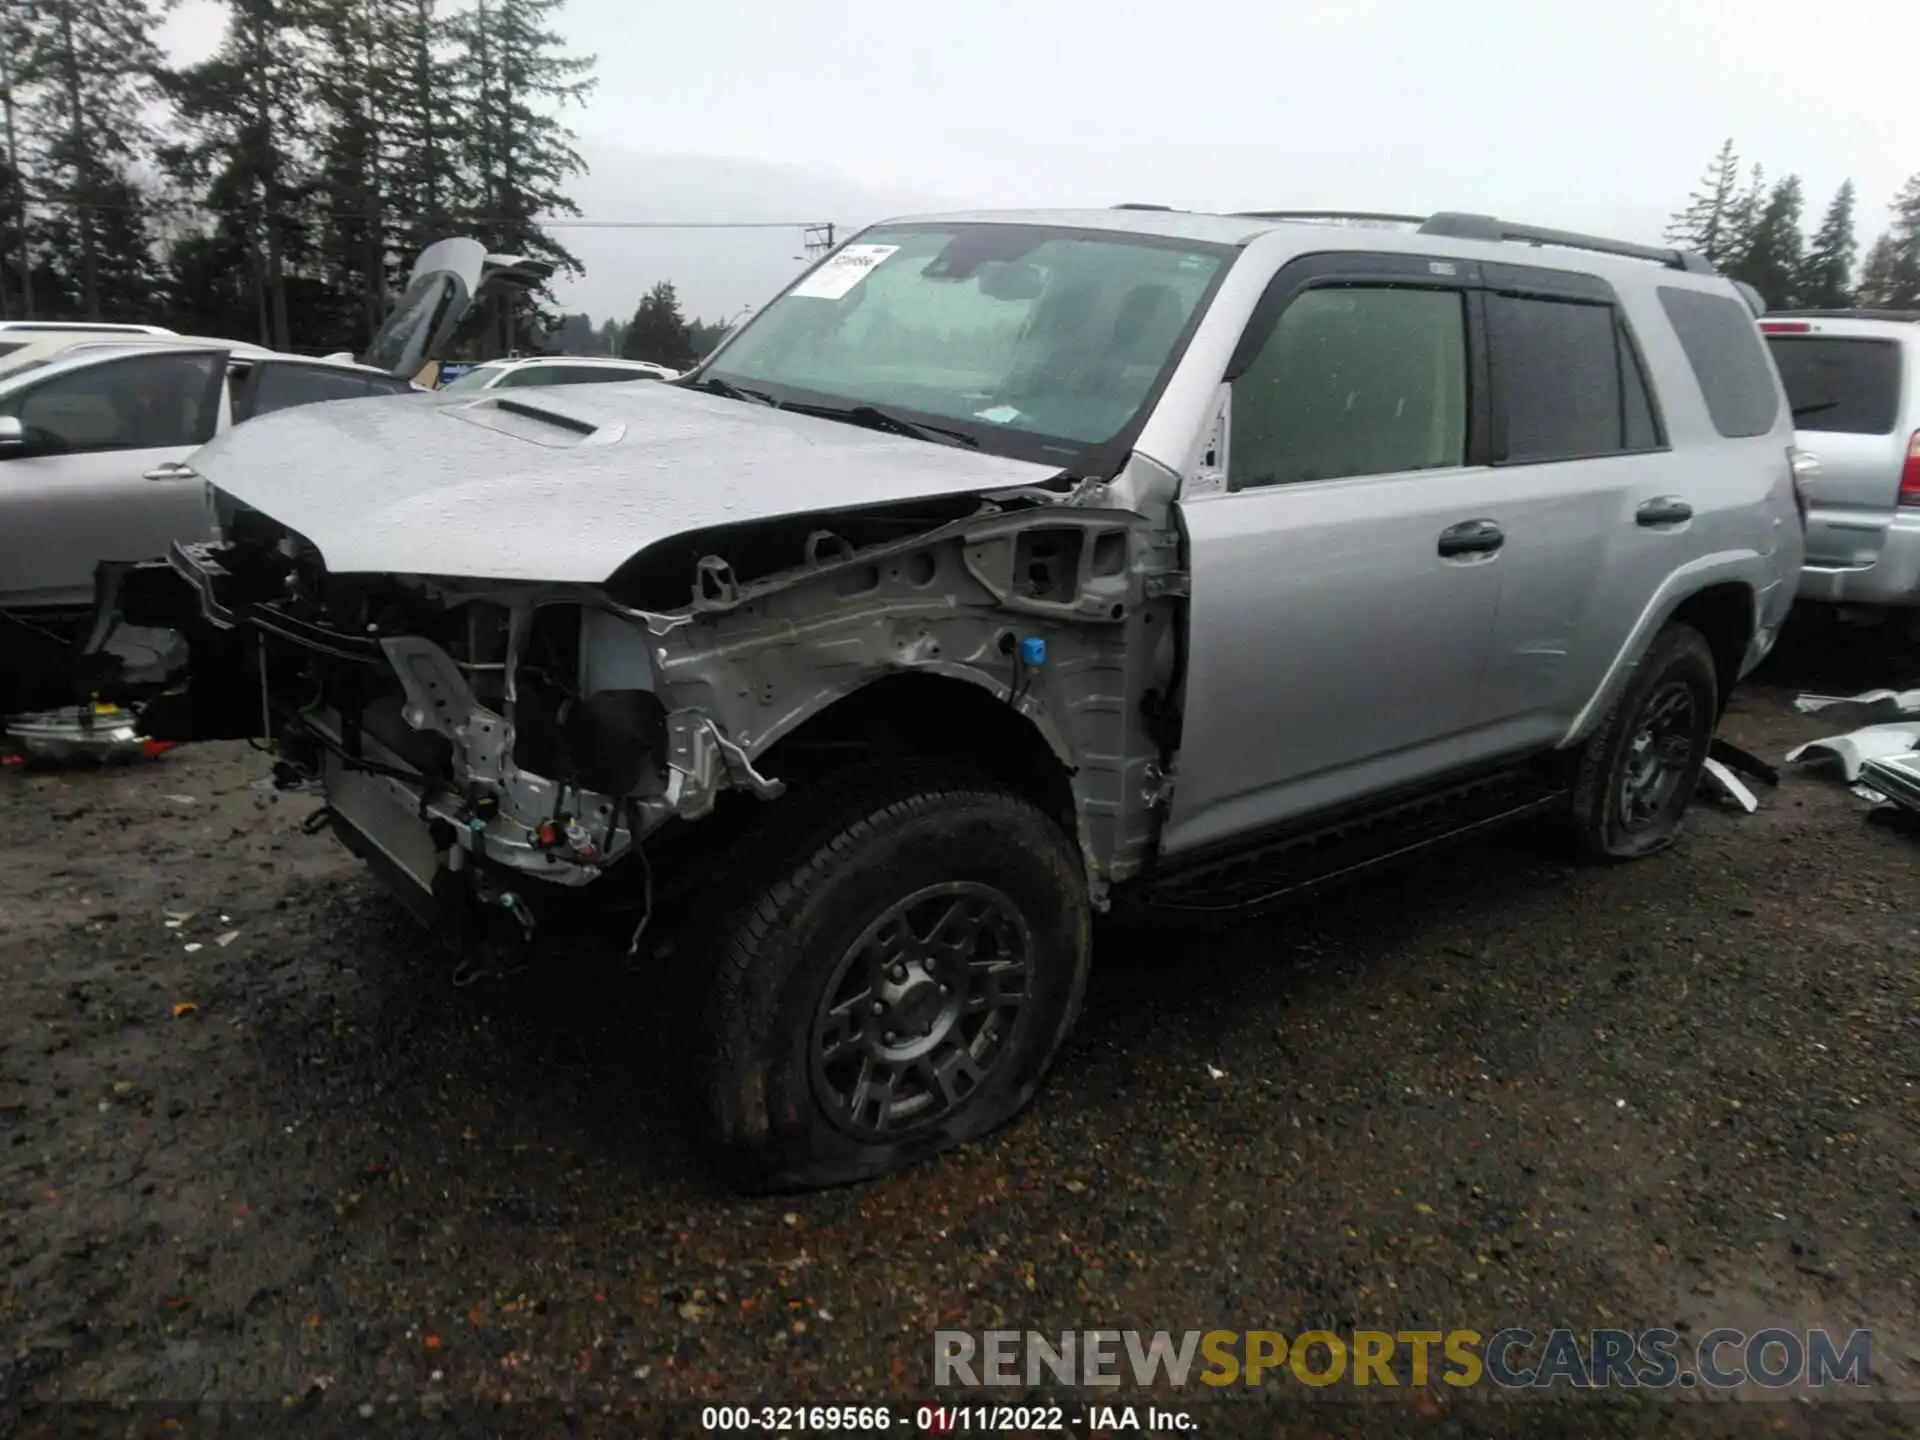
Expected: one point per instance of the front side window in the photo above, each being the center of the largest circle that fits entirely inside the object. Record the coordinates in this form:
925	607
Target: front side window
1026	339
1354	380
145	402
1566	382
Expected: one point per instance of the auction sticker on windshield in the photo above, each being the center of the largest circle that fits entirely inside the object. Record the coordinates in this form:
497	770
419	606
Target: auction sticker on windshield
844	271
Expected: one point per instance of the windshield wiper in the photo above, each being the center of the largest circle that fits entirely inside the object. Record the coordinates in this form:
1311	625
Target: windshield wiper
1815	409
874	418
713	384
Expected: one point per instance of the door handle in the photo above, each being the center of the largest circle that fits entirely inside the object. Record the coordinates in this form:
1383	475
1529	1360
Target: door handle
1471	537
1667	510
171	470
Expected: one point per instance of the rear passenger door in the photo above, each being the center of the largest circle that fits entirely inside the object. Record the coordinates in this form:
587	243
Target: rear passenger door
1345	583
1577	443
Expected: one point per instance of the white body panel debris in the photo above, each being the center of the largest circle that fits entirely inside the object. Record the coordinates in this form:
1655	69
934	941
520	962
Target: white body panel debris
1857	747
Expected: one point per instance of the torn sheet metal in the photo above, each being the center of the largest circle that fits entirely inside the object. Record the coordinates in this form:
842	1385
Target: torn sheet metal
1857	747
1907	702
1717	774
1742	762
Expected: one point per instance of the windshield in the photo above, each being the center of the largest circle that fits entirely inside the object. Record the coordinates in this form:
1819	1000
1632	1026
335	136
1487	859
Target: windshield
1025	339
478	378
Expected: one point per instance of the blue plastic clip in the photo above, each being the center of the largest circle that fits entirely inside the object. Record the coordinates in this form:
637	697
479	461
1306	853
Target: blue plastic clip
1033	650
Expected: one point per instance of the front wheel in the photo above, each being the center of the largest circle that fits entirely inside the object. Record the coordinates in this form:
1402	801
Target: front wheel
1640	770
886	971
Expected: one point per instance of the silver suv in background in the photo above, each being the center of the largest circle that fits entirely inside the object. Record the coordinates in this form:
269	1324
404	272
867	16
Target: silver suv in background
1853	380
1005	569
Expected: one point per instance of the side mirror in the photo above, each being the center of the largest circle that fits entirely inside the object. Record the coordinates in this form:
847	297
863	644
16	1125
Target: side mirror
13	435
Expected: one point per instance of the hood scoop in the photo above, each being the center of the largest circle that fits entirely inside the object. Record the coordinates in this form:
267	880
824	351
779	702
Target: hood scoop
541	424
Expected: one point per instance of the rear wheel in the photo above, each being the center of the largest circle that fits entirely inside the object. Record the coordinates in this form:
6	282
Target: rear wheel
1639	772
885	971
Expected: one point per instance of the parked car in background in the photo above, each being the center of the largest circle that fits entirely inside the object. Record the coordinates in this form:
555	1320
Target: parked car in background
1853	380
537	370
16	333
1005	569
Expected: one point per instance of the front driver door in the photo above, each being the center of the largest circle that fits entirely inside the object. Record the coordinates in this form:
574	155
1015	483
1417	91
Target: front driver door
1345	580
97	477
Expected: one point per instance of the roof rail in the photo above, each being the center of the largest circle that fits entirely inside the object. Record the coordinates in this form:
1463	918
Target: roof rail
1459	226
1138	205
1905	315
1327	215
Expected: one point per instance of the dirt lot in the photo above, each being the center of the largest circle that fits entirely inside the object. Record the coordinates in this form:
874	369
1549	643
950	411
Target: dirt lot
271	1154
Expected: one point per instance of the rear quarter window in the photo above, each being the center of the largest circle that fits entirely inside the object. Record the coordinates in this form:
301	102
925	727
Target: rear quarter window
1723	345
1844	385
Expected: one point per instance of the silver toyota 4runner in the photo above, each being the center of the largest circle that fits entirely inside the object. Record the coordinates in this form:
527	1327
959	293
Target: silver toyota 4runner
1853	379
1005	568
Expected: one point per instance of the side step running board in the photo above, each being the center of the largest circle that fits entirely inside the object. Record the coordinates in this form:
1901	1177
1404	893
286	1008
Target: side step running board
1296	864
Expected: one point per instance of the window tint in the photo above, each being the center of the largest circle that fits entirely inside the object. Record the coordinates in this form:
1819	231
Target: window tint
1723	347
1840	385
478	378
588	375
145	402
1566	384
281	387
525	376
7	347
1354	381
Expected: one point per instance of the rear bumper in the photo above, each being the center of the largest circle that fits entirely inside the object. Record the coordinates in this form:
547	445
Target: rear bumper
1893	579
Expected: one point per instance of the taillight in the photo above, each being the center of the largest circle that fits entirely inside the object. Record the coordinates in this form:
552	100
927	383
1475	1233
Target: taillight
1910	473
1785	327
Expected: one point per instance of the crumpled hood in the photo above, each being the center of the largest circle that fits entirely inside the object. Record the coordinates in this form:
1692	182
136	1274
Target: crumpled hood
562	485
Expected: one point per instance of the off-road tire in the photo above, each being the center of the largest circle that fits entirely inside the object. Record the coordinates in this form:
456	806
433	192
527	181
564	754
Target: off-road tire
1680	656
761	950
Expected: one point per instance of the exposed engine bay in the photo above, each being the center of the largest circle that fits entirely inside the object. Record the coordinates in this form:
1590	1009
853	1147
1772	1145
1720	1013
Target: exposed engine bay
512	743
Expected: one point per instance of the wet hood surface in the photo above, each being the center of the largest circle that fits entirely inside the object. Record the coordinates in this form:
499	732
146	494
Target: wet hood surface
563	485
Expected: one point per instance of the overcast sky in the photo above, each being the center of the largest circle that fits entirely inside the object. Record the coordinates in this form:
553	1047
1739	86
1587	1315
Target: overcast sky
1586	114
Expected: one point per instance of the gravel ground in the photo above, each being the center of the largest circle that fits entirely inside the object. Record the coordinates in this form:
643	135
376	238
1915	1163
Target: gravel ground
270	1154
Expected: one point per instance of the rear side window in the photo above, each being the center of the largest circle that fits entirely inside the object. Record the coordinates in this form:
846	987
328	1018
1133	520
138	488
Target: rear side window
1723	347
7	347
1845	386
281	387
1354	380
1566	382
587	375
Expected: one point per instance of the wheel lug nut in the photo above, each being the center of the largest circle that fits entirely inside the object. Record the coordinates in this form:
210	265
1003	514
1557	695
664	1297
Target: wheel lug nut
888	1038
879	1007
897	974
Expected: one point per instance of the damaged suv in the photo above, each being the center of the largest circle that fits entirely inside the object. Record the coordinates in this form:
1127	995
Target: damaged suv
1005	568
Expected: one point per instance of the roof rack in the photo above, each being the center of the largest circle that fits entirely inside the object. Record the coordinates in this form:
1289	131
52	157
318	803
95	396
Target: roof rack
1459	226
1141	205
1328	215
1904	315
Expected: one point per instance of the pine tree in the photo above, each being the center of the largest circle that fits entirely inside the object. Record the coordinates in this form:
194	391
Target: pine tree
1826	277
658	332
85	75
425	182
1770	257
1896	281
513	76
359	74
1743	221
249	113
1702	226
1879	282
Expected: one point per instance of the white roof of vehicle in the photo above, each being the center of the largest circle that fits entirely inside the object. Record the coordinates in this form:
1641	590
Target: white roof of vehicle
41	360
84	327
611	362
